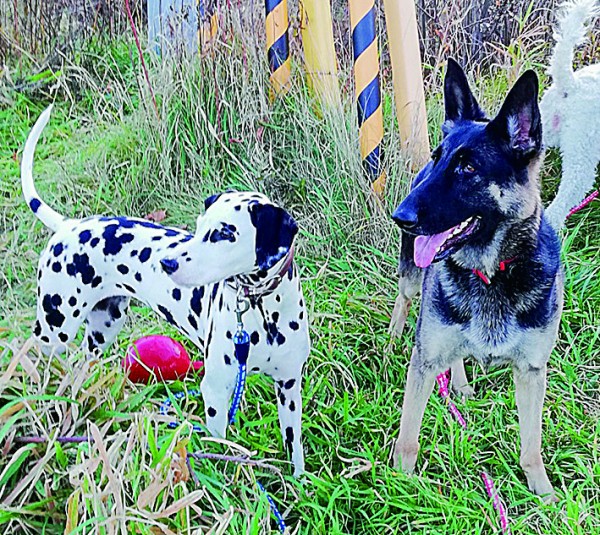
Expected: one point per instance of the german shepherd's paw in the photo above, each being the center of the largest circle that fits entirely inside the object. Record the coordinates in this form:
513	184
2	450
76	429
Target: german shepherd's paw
539	484
405	456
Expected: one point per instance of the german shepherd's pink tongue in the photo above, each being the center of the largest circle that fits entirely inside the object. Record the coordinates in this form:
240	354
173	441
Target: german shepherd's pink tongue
426	247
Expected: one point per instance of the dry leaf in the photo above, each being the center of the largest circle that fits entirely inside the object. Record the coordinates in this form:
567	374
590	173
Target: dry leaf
157	216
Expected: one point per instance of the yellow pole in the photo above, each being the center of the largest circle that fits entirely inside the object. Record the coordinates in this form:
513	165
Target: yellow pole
409	95
208	23
319	51
278	47
367	89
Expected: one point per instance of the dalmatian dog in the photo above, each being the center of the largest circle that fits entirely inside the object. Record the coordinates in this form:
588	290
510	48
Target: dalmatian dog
243	248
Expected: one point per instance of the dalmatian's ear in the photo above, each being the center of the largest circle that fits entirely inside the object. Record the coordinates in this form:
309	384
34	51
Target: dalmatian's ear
275	232
209	201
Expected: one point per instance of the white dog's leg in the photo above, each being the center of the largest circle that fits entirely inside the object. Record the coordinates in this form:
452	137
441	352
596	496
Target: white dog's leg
578	177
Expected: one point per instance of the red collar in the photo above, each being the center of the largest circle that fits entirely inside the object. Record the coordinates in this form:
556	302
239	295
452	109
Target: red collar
485	278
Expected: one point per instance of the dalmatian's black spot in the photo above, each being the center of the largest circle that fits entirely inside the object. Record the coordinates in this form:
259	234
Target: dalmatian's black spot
167	314
289	384
63	337
301	303
214	292
289	438
294	325
72	301
301	315
58	249
192	321
90	342
275	317
37	330
107	324
113	243
156	238
39	274
176	294
255	369
50	304
212	412
96	281
281	397
56	267
35	204
45	339
292	406
81	265
280	339
195	301
237	207
221	302
94	242
113	310
254	338
228	335
48	263
122	268
278	298
261	273
227	360
133	253
138	277
85	236
78	290
128	288
144	254
76	313
206	236
98	336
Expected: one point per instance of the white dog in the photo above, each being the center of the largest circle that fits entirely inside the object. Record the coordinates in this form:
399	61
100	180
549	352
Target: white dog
570	111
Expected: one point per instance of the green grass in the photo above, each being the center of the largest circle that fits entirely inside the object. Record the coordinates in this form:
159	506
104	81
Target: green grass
110	154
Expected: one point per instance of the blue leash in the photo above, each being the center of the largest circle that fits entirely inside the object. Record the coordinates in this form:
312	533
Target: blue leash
241	341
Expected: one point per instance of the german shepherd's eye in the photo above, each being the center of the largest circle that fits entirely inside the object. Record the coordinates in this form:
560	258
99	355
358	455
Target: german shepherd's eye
468	168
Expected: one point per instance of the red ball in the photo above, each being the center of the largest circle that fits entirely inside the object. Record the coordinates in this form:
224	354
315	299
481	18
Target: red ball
157	357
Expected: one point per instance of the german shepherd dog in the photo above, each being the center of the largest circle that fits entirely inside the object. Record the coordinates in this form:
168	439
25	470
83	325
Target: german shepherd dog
475	238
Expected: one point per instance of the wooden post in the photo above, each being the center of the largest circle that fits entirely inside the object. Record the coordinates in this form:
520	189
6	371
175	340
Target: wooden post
319	51
278	46
409	95
367	89
208	22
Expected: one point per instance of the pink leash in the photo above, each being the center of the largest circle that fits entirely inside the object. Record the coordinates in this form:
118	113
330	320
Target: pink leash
443	380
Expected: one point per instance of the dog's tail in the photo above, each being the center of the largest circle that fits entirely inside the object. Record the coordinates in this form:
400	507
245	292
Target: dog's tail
572	32
47	215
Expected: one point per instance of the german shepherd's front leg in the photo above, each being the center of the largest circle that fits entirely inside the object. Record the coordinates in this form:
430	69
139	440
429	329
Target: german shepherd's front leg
530	388
419	384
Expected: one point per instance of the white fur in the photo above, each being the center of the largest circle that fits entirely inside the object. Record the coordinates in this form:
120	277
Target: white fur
570	111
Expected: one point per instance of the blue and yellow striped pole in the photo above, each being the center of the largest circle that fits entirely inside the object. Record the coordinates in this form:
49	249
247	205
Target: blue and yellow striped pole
278	45
368	91
207	22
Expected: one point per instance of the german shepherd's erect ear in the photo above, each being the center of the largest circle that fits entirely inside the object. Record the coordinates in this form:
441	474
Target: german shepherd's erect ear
459	101
518	122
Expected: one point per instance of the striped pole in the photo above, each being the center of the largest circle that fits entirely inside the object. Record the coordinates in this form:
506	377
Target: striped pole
319	51
368	91
278	45
208	23
409	95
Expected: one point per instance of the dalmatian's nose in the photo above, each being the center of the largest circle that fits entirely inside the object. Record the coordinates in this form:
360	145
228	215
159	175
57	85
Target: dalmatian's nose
169	265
